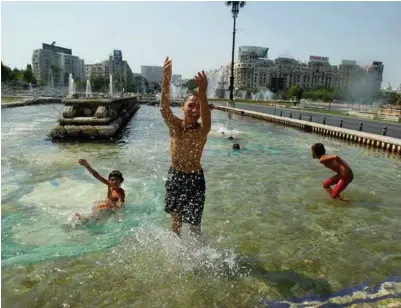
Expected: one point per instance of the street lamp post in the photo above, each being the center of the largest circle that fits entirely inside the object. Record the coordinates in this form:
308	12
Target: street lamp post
235	6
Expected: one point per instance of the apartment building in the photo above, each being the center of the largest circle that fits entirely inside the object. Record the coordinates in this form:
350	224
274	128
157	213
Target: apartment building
51	65
253	70
115	66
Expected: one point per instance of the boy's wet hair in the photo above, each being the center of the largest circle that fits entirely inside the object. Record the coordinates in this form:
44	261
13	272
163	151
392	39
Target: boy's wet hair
116	174
190	93
318	149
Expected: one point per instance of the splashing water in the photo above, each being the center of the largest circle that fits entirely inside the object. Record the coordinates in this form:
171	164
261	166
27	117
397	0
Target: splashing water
71	86
111	86
177	91
214	82
270	230
88	90
262	95
241	94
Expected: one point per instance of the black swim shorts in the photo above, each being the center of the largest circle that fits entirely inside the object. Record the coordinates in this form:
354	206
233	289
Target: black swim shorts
185	195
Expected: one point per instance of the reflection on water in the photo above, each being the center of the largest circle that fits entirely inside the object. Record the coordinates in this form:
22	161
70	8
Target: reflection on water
271	231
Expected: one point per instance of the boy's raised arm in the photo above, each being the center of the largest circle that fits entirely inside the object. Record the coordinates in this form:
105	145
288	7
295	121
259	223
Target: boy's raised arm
205	114
165	107
95	174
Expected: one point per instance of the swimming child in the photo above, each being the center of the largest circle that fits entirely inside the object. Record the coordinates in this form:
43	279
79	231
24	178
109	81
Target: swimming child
236	146
344	174
115	194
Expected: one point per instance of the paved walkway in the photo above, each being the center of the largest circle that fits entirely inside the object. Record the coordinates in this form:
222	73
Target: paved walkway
369	126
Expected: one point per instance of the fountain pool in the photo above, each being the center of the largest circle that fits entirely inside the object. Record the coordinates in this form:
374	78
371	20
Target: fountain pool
270	230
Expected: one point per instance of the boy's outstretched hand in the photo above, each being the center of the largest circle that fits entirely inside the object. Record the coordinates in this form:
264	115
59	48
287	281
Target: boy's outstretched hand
167	71
83	162
201	81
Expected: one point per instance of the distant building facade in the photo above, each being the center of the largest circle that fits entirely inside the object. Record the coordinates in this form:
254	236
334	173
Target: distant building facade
153	74
253	70
51	65
115	66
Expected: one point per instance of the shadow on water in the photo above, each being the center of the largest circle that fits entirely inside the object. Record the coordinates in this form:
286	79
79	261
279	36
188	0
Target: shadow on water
304	291
363	293
288	283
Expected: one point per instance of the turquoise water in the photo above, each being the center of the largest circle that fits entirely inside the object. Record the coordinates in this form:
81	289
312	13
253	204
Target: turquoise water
270	230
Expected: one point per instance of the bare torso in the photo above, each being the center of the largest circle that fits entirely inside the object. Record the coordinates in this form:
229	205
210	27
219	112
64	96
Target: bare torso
337	165
186	147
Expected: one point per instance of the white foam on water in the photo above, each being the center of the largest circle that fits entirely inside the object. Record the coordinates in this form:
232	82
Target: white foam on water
221	128
61	200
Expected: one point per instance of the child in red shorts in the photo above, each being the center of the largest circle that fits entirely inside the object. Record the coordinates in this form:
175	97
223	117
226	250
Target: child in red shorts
343	176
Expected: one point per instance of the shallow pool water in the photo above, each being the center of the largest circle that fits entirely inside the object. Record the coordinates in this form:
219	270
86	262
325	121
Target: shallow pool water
270	230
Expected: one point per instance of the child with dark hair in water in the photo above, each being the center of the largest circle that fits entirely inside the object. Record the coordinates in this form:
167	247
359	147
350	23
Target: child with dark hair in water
115	194
344	174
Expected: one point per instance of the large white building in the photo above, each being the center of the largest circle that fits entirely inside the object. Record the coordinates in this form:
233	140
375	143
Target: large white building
115	66
153	74
253	70
52	65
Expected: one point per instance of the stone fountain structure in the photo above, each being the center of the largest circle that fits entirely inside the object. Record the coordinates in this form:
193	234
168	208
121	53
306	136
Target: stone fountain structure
94	118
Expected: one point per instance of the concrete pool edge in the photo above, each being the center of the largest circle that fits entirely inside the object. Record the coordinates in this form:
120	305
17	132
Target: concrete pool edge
389	144
31	102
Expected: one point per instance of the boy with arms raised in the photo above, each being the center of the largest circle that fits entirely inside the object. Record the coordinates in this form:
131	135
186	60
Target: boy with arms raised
185	186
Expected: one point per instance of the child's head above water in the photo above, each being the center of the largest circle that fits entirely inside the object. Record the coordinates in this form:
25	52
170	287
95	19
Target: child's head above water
318	150
116	178
191	107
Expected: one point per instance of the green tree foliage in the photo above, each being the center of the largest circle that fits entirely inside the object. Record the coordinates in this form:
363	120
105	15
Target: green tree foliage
28	75
100	84
157	87
323	94
394	98
190	84
136	84
80	85
294	91
18	75
7	74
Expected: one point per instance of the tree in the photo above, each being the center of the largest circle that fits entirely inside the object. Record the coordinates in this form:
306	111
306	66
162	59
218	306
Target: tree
18	75
54	69
28	75
294	91
118	82
190	84
138	83
394	98
80	85
325	94
156	87
6	73
98	83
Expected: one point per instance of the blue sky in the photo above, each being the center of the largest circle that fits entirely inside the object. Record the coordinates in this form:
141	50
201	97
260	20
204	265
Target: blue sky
198	35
